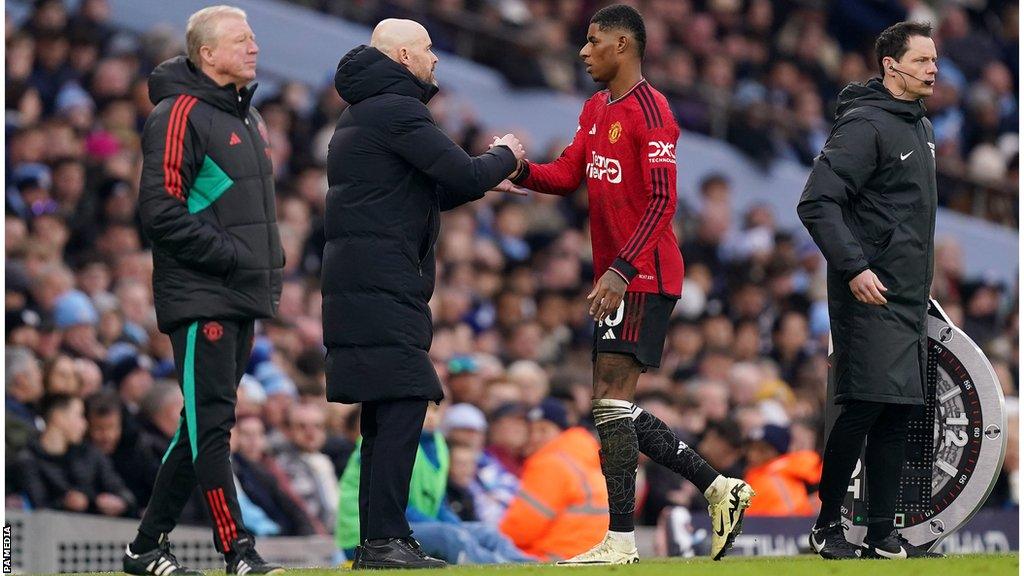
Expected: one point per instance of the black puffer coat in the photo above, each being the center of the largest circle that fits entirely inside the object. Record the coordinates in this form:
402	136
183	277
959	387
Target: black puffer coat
207	200
870	203
391	171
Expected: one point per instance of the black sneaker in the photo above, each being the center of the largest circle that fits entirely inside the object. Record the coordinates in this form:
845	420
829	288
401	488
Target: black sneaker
356	554
917	551
830	543
393	553
244	559
889	548
157	562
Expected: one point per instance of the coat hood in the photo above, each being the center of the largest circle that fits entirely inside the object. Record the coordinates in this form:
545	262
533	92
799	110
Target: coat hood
366	72
179	76
874	93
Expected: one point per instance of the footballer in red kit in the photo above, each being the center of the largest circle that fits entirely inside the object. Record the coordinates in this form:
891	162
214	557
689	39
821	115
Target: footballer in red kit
624	150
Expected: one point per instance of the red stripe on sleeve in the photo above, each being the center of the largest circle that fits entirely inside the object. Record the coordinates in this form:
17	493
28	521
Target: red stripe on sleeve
169	175
650	220
174	152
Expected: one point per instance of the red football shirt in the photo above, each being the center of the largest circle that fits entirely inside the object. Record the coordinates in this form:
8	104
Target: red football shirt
625	148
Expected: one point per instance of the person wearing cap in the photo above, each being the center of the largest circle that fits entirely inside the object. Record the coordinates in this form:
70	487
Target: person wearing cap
76	316
207	204
493	486
782	479
562	503
465	425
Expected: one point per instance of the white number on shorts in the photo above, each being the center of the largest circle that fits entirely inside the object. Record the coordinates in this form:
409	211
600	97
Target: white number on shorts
616	319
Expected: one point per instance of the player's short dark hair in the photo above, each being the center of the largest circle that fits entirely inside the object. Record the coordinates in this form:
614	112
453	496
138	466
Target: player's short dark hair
894	41
624	17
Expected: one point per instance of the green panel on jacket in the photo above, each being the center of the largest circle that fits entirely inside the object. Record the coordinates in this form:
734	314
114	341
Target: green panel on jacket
210	183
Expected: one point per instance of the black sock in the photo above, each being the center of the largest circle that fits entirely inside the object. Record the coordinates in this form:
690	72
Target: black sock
619	455
143	544
826	518
661	444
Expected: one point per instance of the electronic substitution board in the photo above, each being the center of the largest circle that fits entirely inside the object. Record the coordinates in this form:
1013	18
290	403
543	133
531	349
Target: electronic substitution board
955	446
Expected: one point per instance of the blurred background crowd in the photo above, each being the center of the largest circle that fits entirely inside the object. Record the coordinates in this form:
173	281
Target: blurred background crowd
764	74
91	395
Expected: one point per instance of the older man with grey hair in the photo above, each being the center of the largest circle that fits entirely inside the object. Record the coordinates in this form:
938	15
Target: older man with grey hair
207	203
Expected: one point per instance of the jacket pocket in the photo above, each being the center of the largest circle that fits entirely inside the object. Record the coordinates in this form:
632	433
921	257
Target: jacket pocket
229	274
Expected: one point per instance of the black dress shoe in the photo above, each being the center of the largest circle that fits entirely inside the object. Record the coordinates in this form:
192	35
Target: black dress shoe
390	553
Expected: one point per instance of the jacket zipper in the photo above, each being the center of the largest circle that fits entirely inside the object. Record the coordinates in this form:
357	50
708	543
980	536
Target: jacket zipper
431	240
259	170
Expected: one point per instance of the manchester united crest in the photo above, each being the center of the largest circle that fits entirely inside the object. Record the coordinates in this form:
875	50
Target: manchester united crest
614	132
213	331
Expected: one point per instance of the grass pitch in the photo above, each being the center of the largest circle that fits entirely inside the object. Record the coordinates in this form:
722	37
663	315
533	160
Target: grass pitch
973	565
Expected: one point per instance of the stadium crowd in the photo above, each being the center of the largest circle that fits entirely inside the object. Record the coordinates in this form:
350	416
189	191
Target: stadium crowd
91	396
762	74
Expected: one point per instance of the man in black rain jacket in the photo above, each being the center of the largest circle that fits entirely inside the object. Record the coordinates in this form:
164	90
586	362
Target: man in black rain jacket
207	203
391	171
869	204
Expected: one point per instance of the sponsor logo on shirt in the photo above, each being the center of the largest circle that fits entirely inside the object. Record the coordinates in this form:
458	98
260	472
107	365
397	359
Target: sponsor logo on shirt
614	132
661	152
602	168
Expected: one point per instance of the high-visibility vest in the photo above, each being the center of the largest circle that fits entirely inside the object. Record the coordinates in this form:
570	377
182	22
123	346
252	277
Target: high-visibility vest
562	505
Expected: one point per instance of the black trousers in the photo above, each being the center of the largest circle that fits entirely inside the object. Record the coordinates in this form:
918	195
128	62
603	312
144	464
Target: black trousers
884	426
391	436
210	357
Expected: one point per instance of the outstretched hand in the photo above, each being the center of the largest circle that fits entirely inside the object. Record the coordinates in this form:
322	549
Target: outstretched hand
508	187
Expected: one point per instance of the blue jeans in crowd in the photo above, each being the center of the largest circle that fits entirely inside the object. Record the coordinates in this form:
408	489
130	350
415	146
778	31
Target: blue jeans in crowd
466	543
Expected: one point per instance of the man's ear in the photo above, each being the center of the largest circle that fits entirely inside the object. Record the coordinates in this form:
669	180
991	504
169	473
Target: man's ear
888	63
204	53
623	44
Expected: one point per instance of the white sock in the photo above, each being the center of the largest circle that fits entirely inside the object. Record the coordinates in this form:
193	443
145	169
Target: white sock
717	489
623	540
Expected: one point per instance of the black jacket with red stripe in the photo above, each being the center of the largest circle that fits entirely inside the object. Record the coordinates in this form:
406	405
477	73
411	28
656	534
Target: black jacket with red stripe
207	200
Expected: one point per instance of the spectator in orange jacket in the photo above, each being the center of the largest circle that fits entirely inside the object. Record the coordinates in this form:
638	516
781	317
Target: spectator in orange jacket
781	478
562	503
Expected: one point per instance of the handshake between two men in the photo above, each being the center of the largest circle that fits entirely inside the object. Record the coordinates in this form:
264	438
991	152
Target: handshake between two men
513	144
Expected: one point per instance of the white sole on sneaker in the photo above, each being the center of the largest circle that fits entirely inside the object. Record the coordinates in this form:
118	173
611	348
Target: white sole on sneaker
727	517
